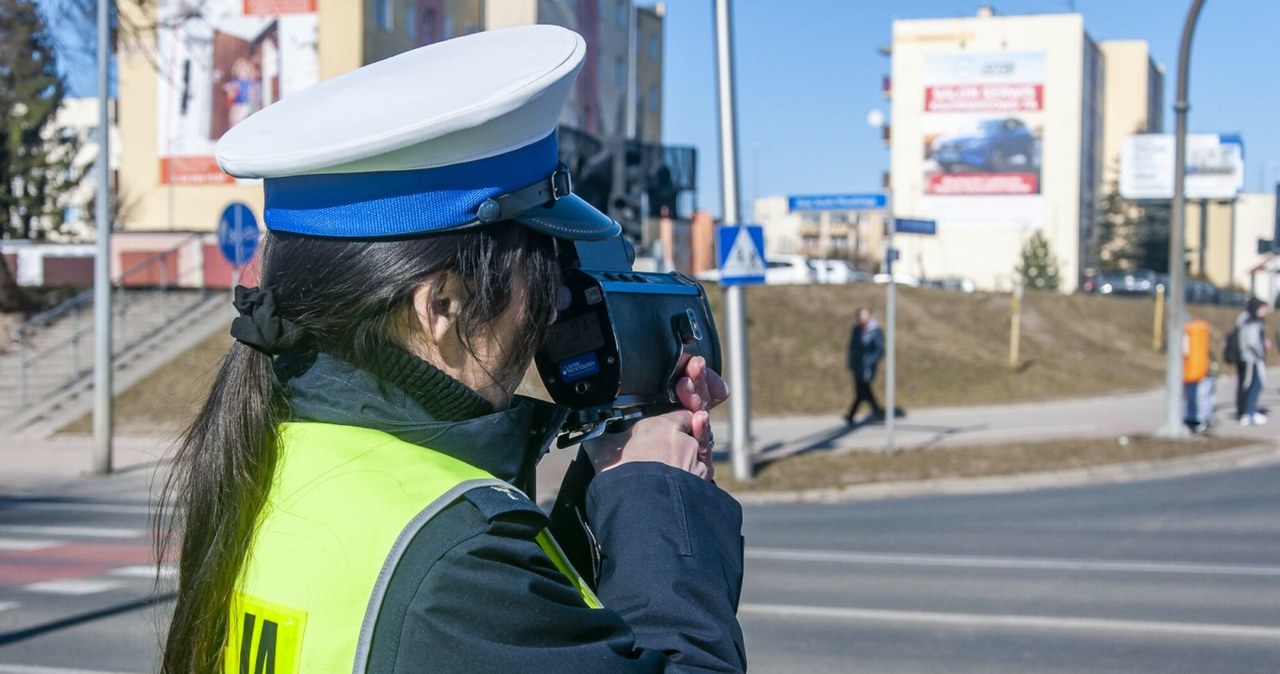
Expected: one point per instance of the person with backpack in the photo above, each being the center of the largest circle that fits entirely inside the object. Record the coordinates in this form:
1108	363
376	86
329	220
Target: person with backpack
1247	346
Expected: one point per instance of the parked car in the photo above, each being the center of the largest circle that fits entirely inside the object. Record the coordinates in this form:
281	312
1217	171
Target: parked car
789	270
838	271
998	145
954	284
900	279
1134	282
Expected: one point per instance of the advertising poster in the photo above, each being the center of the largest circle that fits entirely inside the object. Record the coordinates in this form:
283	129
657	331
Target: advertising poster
220	61
983	124
1215	166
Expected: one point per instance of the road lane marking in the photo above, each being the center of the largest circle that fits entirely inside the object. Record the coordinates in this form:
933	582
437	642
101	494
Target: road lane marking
145	571
1126	566
73	586
104	508
6	605
75	532
25	544
1014	621
32	669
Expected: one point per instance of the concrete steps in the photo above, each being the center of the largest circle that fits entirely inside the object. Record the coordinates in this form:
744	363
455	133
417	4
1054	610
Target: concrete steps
148	329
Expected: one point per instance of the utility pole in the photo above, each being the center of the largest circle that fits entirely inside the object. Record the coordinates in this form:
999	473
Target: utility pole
102	402
1173	427
734	296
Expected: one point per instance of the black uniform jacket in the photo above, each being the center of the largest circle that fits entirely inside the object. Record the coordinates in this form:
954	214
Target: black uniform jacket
475	593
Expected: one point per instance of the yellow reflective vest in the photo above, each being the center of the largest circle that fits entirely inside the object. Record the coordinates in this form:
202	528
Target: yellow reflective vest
344	504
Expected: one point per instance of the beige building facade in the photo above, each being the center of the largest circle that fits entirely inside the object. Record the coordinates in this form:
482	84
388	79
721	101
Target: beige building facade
181	87
1004	126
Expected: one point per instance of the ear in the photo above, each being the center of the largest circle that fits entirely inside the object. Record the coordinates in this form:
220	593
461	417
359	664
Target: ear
437	303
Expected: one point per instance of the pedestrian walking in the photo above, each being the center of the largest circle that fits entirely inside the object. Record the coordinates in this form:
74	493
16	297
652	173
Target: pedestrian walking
353	495
866	348
1250	362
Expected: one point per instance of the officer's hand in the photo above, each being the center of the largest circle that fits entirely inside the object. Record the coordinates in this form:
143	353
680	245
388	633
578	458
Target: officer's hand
701	388
673	438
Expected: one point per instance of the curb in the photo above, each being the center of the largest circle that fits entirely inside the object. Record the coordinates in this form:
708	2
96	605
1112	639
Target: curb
1239	457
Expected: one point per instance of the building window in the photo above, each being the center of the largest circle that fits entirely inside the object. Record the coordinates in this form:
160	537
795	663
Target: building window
382	16
840	243
448	27
411	22
654	103
620	13
653	48
620	71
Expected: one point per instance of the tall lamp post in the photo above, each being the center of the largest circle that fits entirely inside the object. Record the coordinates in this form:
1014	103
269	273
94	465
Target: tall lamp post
1176	299
102	402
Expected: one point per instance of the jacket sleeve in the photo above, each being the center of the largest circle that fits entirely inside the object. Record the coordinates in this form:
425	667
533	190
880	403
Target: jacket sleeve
875	351
672	550
491	600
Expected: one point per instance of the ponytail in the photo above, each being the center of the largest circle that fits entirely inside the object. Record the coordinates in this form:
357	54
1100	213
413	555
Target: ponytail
222	472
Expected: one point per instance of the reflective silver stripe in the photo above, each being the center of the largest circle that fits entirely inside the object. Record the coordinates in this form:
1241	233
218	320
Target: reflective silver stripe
415	525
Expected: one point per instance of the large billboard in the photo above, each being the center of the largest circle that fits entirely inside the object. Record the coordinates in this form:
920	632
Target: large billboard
983	124
1215	166
219	62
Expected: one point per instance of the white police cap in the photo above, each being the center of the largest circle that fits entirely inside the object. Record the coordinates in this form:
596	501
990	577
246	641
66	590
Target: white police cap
450	135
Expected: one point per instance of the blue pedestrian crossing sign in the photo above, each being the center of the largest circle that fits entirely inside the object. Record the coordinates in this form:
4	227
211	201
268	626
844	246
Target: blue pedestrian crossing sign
742	260
238	234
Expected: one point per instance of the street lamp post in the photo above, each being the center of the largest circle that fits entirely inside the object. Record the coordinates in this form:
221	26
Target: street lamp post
1176	299
102	402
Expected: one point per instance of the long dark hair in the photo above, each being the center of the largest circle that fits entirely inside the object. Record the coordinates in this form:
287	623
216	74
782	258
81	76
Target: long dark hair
351	298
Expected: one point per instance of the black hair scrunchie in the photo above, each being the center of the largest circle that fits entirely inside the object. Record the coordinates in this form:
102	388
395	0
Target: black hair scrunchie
259	326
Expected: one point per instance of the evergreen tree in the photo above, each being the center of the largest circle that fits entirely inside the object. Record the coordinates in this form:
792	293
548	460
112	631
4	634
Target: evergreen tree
35	158
1039	268
1132	234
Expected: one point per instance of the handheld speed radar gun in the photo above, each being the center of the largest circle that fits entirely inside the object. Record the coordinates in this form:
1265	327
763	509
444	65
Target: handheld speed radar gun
622	339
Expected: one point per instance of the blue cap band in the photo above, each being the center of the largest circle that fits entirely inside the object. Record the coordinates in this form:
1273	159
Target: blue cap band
396	203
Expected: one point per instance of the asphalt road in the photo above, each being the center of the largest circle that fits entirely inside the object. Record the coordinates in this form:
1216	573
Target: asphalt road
1179	575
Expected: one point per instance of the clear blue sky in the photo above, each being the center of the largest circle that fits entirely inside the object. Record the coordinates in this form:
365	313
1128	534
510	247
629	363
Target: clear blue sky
808	71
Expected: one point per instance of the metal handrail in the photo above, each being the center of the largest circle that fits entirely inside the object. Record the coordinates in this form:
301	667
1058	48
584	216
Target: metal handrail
122	344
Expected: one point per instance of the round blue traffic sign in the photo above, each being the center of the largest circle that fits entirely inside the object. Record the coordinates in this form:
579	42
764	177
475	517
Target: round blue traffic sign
238	234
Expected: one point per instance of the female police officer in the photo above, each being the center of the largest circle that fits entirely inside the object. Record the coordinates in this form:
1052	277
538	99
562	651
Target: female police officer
352	494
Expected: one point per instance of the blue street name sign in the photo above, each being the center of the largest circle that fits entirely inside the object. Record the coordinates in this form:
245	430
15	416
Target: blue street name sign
238	234
912	226
741	253
837	202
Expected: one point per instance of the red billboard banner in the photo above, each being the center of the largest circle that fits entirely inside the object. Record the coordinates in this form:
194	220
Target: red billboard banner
1004	184
201	170
993	97
276	7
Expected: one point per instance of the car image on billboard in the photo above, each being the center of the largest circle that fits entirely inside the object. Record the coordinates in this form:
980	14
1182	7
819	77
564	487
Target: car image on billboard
998	146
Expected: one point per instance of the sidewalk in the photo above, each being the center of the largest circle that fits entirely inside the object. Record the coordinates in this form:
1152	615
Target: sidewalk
1107	416
60	465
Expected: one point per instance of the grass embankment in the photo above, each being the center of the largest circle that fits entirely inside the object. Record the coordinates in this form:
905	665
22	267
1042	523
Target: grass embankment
834	471
953	348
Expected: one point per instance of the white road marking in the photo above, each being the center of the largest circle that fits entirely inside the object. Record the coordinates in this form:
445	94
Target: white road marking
73	586
32	669
80	532
1126	566
1015	621
105	508
25	544
6	605
144	571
